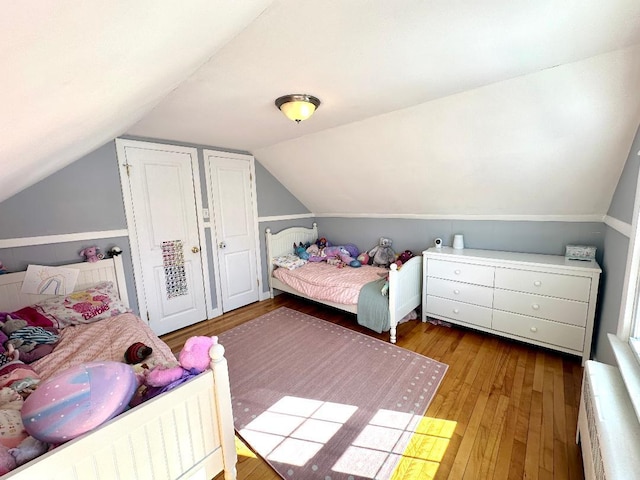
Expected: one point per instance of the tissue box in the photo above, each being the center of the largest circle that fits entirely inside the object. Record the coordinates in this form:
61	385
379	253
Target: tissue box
580	252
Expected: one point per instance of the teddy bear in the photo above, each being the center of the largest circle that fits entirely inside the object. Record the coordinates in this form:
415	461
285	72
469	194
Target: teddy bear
382	254
91	254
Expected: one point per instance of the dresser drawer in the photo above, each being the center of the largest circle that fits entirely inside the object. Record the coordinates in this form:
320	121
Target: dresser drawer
551	284
559	334
461	272
458	311
549	308
462	292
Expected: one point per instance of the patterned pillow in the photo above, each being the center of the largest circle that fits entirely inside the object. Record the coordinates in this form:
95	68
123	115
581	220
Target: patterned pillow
289	261
86	306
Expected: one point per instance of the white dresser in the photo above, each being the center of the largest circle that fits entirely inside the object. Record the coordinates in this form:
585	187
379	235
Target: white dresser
545	300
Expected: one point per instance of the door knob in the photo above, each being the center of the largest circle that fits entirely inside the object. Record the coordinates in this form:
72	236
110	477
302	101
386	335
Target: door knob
195	249
222	245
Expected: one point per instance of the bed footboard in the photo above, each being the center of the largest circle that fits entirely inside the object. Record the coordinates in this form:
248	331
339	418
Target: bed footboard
405	292
184	433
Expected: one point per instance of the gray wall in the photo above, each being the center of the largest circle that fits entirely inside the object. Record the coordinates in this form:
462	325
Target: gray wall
273	198
86	197
614	261
82	197
417	235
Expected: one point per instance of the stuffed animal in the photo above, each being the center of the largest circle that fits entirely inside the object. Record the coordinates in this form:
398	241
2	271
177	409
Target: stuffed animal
363	258
91	254
405	256
137	352
32	342
193	360
2	269
301	251
28	449
315	253
382	254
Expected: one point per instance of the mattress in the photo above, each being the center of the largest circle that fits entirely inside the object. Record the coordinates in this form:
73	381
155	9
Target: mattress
321	281
106	339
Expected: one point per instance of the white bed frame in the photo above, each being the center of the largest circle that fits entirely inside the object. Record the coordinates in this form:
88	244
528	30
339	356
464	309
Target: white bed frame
186	433
405	284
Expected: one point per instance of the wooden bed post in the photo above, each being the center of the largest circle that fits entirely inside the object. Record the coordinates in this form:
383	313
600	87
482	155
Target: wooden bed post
222	394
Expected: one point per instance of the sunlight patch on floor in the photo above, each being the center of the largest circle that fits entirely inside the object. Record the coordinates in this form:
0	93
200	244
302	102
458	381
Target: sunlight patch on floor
243	451
393	445
295	429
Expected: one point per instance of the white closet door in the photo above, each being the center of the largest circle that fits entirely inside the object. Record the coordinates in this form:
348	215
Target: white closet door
231	196
164	232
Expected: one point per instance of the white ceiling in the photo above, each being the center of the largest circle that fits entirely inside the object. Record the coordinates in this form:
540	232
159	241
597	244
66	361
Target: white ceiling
505	108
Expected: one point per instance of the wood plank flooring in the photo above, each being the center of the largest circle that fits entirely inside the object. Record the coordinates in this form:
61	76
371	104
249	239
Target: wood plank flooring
515	405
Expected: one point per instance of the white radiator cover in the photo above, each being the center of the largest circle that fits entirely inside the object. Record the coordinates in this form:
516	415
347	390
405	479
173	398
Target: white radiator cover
608	428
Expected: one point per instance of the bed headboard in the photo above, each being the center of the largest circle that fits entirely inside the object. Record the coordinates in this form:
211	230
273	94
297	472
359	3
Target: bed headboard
282	242
11	299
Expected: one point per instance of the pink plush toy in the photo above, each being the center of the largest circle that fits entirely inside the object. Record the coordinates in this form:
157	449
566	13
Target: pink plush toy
195	353
91	254
194	359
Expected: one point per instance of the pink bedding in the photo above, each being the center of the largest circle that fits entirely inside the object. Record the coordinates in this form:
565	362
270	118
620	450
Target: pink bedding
328	282
104	340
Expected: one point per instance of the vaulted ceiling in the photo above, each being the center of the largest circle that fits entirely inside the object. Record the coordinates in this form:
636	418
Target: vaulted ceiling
498	108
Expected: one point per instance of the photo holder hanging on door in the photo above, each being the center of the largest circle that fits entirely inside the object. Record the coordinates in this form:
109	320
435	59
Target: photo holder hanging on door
174	274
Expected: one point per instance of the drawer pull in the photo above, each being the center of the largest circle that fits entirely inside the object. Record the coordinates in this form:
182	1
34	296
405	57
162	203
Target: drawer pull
535	306
457	292
537	283
455	310
457	272
533	329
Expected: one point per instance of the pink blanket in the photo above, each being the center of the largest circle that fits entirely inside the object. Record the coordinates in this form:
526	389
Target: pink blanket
103	340
328	282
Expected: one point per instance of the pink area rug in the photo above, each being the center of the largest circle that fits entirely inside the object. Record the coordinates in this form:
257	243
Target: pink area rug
319	401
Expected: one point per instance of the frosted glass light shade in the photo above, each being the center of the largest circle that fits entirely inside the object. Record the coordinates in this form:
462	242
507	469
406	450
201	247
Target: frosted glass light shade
298	107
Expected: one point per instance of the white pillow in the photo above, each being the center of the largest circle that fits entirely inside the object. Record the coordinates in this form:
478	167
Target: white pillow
86	306
289	261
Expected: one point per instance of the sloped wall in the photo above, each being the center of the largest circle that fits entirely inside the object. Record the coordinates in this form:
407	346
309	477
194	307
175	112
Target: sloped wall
614	261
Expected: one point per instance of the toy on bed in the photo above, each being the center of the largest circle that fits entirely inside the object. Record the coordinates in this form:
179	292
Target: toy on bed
16	445
301	250
33	337
137	352
382	254
77	400
91	254
403	258
192	360
2	269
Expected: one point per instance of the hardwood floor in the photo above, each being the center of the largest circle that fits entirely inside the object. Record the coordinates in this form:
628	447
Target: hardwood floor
515	405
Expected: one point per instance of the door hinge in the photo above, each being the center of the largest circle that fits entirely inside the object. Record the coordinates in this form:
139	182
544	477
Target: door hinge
128	166
148	319
250	177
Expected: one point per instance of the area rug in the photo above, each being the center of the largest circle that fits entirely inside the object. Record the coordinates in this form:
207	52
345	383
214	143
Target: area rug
319	401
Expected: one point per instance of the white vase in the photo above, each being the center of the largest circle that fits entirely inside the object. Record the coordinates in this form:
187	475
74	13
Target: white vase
458	242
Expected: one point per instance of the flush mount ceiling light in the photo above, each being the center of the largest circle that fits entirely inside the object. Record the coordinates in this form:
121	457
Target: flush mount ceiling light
297	107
